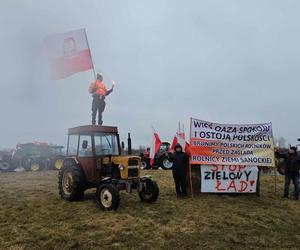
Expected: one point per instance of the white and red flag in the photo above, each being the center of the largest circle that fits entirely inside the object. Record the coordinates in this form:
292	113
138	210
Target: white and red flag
68	53
179	138
155	147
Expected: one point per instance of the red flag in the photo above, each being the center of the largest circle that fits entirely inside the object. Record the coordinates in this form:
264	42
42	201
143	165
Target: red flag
174	143
179	138
68	54
187	148
155	147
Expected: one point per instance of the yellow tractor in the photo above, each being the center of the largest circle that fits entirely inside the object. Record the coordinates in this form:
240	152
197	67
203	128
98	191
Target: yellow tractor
94	160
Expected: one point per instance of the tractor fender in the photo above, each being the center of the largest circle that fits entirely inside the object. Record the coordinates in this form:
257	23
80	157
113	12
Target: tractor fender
72	161
164	154
146	177
104	180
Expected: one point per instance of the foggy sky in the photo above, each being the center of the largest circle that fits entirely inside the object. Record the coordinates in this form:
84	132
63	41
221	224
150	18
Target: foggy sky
221	61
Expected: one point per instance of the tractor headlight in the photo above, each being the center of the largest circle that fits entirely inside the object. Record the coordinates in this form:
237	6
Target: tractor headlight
121	167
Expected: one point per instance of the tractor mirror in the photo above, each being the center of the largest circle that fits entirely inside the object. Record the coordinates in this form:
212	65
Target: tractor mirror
85	144
122	145
298	139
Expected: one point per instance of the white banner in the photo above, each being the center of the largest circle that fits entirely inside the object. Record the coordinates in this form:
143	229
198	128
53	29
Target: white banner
231	144
229	179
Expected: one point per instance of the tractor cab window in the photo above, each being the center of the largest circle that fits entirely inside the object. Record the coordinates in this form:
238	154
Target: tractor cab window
106	144
73	145
54	151
163	147
85	146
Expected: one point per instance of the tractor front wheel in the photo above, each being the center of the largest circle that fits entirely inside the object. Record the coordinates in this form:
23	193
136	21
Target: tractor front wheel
149	192
108	197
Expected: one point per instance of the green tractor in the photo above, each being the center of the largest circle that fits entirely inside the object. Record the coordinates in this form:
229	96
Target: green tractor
33	157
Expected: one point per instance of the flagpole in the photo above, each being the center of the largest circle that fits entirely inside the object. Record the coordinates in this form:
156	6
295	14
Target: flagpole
87	41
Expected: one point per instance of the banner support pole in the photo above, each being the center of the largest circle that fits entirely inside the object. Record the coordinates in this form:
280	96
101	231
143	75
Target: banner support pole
191	184
190	165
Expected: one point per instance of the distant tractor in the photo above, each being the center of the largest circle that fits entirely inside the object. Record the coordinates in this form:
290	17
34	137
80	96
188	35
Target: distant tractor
94	160
33	157
161	158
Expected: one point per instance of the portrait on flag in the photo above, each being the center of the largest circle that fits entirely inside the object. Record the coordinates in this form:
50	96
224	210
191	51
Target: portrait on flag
68	53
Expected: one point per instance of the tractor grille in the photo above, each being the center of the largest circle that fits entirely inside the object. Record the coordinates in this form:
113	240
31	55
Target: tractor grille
133	172
133	162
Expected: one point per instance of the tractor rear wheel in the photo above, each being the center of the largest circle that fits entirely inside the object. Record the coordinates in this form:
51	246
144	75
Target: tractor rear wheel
34	166
166	163
281	168
71	183
149	192
108	197
145	163
58	164
4	166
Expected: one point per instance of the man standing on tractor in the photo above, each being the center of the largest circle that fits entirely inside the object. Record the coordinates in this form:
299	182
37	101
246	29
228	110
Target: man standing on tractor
180	164
98	91
292	163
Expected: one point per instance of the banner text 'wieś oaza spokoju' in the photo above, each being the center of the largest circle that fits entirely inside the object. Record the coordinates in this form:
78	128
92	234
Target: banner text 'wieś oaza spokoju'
223	144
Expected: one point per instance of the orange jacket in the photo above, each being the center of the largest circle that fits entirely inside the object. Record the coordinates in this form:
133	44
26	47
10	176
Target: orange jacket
98	87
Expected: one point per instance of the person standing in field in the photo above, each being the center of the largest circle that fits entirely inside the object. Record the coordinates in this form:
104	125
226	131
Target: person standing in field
292	163
98	91
180	164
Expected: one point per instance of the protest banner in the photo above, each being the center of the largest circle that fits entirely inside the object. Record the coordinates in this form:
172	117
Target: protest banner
229	179
224	144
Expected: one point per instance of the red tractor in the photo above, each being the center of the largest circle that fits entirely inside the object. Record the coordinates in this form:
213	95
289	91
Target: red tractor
94	160
161	158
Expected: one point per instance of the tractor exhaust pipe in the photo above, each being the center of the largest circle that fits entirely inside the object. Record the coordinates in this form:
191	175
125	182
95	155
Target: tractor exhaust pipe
129	145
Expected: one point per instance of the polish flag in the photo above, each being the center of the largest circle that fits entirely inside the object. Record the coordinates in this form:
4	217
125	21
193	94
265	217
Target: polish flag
155	147
179	138
68	53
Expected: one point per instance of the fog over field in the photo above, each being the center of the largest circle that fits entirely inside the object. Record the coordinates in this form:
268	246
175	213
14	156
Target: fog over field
222	61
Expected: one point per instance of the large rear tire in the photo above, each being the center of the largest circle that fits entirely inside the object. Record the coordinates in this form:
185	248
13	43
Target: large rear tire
4	166
108	197
165	163
145	163
281	168
71	183
35	166
149	192
58	164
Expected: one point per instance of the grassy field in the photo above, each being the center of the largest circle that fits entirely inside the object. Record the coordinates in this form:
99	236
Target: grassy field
32	216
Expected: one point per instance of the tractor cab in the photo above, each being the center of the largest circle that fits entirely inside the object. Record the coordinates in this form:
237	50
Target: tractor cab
90	146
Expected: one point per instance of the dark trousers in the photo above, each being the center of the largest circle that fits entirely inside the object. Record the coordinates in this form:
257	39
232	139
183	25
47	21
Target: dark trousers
98	106
180	184
287	181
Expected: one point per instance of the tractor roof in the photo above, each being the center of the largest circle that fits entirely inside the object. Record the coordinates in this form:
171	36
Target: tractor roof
92	129
38	144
